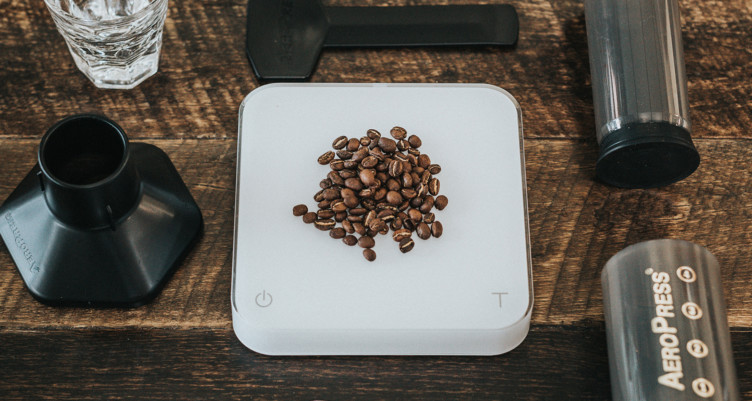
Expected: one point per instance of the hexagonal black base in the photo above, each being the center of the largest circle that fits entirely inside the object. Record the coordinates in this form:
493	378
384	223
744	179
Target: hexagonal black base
124	266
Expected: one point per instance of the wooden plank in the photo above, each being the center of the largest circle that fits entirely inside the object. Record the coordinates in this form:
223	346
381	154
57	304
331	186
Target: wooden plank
553	363
576	225
204	74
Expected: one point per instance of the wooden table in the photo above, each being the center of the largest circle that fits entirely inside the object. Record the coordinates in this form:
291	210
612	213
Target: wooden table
182	345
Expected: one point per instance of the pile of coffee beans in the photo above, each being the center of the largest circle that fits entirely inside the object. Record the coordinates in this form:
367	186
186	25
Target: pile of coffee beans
377	184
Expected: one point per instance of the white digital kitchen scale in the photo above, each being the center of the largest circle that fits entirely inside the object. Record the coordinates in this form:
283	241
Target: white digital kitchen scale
296	291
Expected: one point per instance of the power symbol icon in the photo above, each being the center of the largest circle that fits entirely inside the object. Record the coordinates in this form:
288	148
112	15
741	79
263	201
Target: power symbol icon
263	299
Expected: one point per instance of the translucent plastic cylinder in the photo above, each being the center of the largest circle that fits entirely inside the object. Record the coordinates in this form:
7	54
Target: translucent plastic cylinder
639	92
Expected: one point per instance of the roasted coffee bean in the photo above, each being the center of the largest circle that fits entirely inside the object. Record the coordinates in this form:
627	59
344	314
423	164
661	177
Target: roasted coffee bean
361	154
414	141
324	204
429	217
352	201
424	161
346	193
367	177
365	141
369	217
338	205
418	170
348	173
325	183
340	216
398	133
353	144
354	184
408	193
350	240
324	225
433	186
337	165
415	215
354	219
406	167
427	204
434	169
393	197
380	194
416	202
386	206
382	176
401	234
415	177
326	157
425	177
374	144
325	214
331	194
377	154
309	217
409	224
366	242
406	245
382	167
402	215
369	254
319	196
421	190
423	231
347	225
340	142
407	180
395	168
299	210
412	159
404	205
385	213
366	192
396	223
371	233
337	233
350	164
359	228
373	134
387	145
344	154
441	202
437	229
393	185
403	145
359	211
369	162
335	178
377	225
413	151
369	204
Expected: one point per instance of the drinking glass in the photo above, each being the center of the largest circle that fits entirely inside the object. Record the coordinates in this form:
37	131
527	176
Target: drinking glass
115	43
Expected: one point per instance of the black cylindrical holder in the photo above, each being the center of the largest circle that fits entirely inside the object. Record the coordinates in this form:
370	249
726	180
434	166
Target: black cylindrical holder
639	92
98	221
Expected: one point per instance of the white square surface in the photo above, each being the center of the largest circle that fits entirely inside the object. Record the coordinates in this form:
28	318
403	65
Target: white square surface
297	291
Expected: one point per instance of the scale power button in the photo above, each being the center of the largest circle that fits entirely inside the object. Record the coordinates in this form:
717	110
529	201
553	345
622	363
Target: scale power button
263	299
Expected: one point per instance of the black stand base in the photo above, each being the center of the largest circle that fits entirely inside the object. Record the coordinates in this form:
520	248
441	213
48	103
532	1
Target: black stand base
114	242
647	155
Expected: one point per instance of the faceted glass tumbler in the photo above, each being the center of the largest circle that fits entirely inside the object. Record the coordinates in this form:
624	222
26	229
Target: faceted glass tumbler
115	43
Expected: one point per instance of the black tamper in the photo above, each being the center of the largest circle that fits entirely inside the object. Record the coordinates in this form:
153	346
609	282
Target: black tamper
668	338
98	221
639	92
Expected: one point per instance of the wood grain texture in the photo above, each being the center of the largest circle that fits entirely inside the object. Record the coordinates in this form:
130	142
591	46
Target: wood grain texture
204	74
576	225
554	363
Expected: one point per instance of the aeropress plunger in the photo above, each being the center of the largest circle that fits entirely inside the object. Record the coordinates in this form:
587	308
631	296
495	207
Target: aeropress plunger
639	92
98	221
